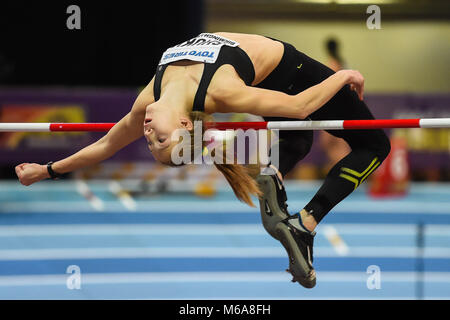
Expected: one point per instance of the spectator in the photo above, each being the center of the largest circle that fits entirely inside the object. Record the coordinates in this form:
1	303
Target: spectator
334	148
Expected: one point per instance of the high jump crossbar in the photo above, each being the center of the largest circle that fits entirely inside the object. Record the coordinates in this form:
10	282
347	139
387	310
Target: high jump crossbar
256	125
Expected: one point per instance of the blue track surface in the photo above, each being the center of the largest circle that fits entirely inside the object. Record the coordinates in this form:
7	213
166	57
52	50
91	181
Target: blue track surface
178	246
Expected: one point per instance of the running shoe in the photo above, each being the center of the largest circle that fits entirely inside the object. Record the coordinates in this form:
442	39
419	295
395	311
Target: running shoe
272	204
275	217
298	243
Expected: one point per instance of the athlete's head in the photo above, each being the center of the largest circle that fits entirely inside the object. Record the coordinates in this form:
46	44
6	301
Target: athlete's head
160	123
159	128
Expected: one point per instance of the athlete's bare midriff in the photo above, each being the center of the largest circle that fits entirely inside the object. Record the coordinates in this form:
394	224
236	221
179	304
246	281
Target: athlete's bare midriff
264	53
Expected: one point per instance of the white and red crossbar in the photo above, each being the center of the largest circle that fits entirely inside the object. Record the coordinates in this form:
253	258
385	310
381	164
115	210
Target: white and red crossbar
257	125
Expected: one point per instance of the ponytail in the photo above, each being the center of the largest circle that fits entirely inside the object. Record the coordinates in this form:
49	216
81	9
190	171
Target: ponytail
240	181
241	178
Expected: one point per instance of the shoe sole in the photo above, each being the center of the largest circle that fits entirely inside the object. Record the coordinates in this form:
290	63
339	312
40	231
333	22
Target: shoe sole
298	266
276	215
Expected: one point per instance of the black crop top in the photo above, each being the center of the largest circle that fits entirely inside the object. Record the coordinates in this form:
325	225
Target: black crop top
234	56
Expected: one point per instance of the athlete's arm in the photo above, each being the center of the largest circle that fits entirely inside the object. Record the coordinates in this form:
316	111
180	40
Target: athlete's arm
127	130
236	97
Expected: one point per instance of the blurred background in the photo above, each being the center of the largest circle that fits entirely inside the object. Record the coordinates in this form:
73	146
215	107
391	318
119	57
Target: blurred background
139	230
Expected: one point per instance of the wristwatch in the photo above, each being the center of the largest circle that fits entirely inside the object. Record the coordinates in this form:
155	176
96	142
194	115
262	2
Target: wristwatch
53	174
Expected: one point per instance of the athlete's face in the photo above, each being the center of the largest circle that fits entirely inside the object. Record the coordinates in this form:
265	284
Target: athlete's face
159	125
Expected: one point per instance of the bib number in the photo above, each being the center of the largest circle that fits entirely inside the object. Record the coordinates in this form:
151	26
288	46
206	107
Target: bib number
203	48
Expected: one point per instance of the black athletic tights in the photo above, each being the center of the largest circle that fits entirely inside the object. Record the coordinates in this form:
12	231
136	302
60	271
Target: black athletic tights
297	72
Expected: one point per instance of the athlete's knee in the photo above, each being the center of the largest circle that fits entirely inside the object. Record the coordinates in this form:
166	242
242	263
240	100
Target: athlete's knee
376	142
383	146
292	150
303	147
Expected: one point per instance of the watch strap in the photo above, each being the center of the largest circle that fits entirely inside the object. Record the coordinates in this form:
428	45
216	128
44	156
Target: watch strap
53	174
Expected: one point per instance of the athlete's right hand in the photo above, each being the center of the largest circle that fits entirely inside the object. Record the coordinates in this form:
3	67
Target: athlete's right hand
29	173
356	81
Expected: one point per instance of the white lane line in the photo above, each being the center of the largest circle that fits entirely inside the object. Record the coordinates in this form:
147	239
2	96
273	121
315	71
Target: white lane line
440	188
140	252
196	277
49	207
297	298
209	229
389	229
392	206
131	229
335	240
86	192
210	252
195	206
123	196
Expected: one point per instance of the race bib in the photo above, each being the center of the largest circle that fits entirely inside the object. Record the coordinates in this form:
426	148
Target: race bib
203	48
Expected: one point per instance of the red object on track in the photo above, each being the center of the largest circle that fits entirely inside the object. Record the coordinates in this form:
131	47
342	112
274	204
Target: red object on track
392	178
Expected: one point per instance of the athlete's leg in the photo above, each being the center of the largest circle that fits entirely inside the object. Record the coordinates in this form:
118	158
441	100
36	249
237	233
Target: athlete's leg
368	150
369	147
292	146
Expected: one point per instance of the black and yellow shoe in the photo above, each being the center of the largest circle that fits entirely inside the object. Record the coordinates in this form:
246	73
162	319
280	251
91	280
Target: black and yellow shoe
298	243
275	217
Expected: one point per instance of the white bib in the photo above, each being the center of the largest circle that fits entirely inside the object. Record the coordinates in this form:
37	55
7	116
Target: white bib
203	48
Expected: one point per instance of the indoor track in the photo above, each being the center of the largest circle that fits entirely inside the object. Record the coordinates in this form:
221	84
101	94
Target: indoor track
215	248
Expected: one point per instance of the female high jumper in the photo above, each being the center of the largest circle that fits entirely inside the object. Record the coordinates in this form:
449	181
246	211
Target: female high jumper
245	73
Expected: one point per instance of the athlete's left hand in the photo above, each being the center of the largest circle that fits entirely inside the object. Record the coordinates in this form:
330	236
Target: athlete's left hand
356	82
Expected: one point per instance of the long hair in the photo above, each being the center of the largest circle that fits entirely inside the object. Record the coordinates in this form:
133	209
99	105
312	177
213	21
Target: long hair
241	178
